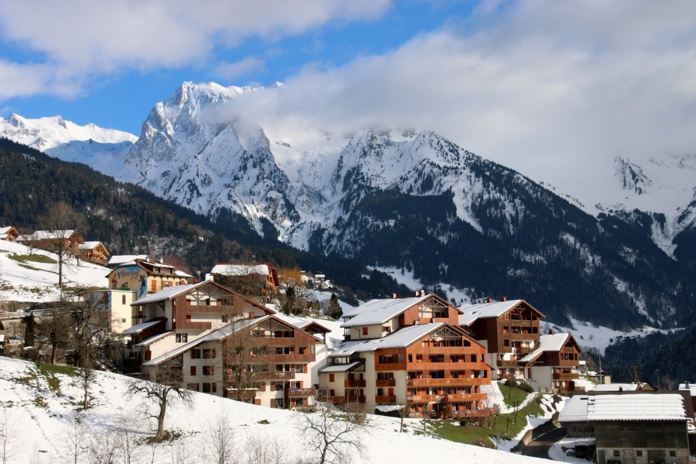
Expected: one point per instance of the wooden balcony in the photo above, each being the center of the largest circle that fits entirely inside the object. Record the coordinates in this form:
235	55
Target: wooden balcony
523	336
522	323
385	399
508	363
446	366
301	392
273	375
464	397
386	382
355	383
566	376
450	382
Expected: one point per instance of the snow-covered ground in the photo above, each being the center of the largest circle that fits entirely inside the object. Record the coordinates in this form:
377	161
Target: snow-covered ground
40	423
26	278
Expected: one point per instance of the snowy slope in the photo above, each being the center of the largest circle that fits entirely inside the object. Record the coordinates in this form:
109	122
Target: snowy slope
28	279
40	422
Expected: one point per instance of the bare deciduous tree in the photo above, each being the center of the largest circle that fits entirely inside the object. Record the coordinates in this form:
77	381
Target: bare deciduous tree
6	439
166	386
75	439
220	442
330	435
62	220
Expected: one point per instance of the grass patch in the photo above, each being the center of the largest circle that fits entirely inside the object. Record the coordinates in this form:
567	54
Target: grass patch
512	395
502	426
33	258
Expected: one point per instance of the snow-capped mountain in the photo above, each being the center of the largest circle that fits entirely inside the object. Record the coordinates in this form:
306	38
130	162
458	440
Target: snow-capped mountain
102	149
418	202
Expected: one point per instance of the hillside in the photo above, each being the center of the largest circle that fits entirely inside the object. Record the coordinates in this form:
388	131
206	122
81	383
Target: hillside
44	423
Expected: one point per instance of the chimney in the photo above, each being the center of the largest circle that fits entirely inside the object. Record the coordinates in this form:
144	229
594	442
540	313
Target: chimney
503	298
393	296
422	292
489	300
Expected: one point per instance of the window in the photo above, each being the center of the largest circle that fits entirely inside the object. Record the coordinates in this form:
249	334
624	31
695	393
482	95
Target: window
672	453
506	342
331	378
193	370
639	453
153	287
209	387
181	338
364	330
123	299
208	353
617	453
195	354
192	386
208	370
386	328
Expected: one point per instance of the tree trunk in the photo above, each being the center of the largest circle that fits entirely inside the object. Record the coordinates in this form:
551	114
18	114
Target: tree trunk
160	418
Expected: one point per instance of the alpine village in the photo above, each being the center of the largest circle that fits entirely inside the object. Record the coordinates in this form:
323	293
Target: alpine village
492	372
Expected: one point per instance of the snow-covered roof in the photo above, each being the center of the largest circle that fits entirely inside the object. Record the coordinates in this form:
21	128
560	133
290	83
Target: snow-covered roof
166	294
122	259
616	387
689	386
399	339
240	269
339	367
47	235
379	311
575	410
88	245
550	342
485	310
637	406
137	328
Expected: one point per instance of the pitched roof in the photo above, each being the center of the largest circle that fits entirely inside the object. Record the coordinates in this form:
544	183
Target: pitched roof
123	259
399	339
616	387
637	407
89	245
47	235
549	342
137	328
688	386
166	294
379	311
240	269
470	313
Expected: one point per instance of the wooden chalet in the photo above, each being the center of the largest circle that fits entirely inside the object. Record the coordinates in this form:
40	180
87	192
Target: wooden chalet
51	239
631	428
94	252
553	365
251	279
184	313
408	351
264	361
144	277
8	234
508	329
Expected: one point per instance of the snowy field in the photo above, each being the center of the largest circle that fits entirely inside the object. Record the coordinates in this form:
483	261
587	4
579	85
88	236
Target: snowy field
39	420
33	275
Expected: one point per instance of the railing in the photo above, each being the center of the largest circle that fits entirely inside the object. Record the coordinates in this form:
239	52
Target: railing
301	392
459	397
356	383
464	381
385	399
508	363
447	365
565	376
273	375
386	382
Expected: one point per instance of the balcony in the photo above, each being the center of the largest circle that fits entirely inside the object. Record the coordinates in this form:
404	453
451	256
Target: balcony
385	399
508	363
301	392
566	376
355	383
461	381
273	375
386	382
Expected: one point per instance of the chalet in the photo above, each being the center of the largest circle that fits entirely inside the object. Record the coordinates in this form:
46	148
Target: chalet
181	314
264	361
407	351
143	277
635	428
251	279
553	365
94	252
508	329
50	240
8	234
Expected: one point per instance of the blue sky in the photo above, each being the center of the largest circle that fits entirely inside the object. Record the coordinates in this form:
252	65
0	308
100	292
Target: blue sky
538	85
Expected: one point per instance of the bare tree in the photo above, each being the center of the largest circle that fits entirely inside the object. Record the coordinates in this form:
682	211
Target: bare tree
404	412
75	439
266	450
167	386
127	440
220	441
63	220
6	439
330	435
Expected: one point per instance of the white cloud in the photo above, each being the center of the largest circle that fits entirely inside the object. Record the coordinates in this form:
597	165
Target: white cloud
540	85
232	71
89	38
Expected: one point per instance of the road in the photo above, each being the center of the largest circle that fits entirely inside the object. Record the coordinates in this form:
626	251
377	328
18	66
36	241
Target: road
539	447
